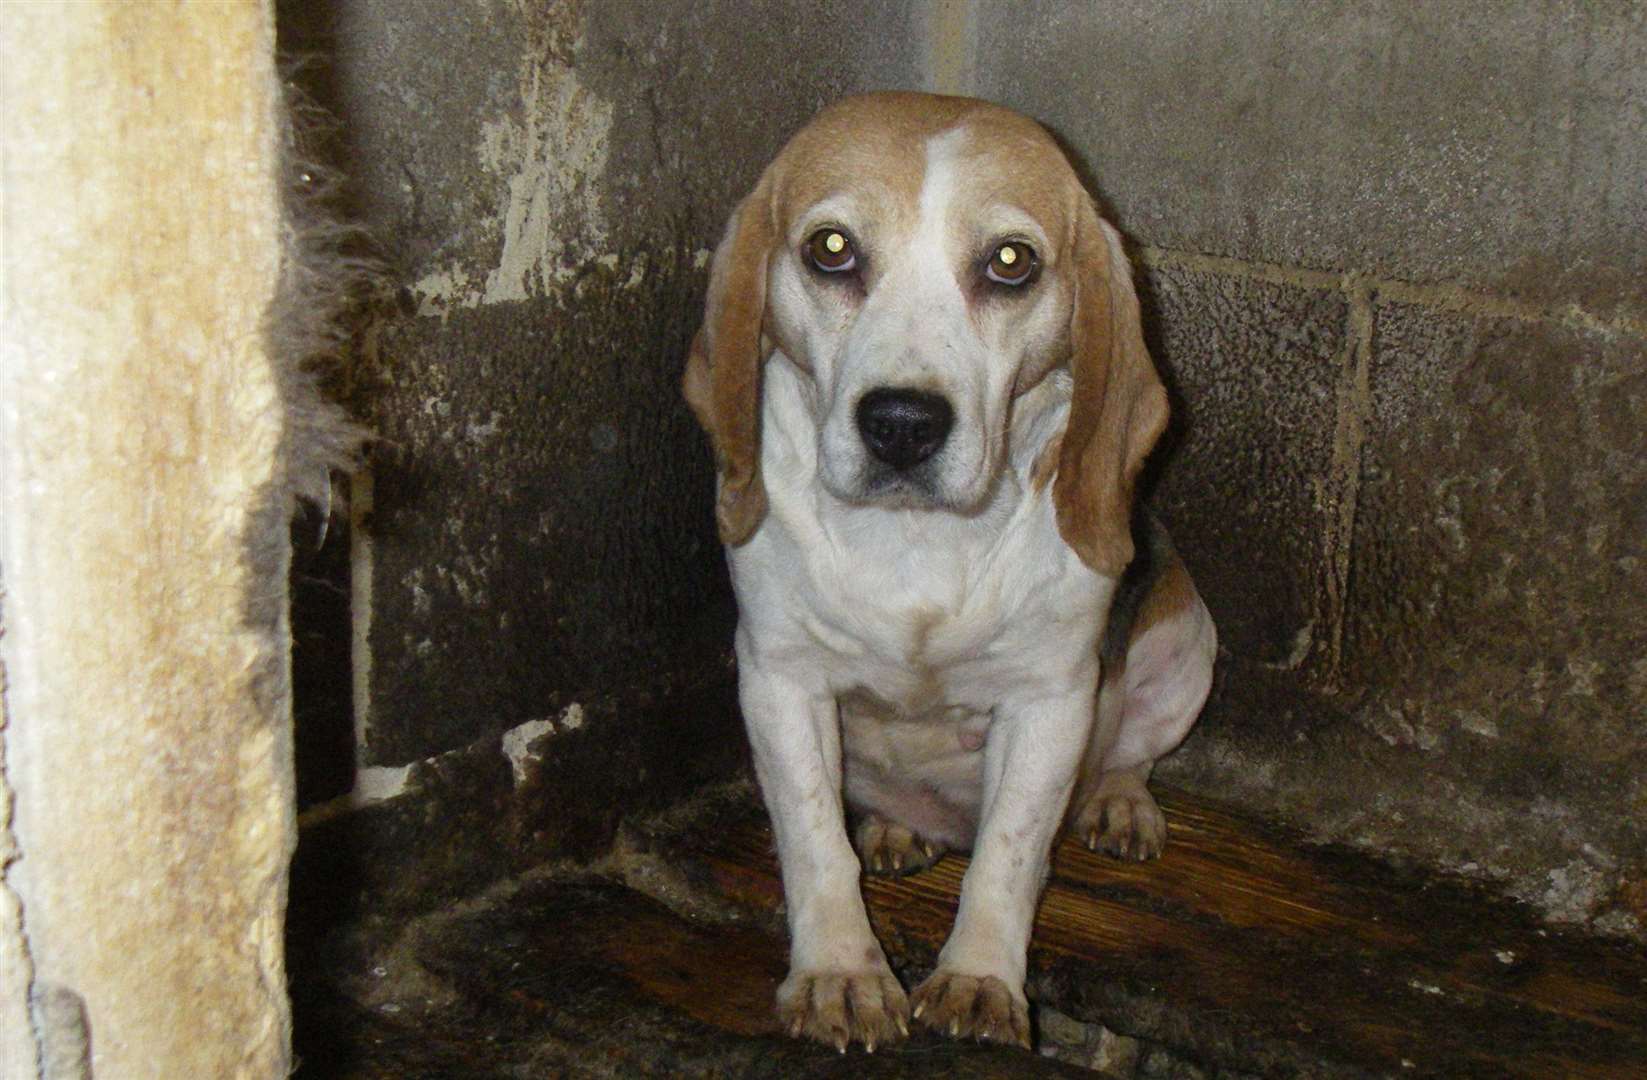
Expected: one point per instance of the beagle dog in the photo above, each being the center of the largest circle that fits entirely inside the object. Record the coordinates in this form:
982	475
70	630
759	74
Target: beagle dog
922	373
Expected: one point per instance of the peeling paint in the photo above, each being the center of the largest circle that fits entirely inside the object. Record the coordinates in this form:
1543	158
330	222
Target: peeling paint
549	159
374	784
518	742
1573	892
1303	642
517	747
552	161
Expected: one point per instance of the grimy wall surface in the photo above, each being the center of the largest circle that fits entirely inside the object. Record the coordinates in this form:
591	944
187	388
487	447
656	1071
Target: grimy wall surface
1396	257
1392	256
542	616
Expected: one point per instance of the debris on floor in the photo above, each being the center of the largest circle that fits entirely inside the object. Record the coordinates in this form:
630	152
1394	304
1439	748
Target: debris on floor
1241	952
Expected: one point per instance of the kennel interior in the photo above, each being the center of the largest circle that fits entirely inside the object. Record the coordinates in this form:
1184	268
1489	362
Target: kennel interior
1391	261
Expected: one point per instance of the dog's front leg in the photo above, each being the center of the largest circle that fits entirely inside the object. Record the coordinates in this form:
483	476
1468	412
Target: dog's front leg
840	987
1030	764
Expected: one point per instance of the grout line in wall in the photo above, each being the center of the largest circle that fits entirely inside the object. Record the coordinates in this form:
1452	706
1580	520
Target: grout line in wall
360	608
1341	495
1275	273
1443	297
1455	298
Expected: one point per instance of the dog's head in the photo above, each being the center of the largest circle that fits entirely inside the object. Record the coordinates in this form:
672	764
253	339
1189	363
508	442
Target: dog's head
927	261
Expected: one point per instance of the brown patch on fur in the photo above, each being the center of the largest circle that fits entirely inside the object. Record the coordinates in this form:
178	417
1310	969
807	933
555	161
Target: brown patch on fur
1046	464
922	623
723	372
1171	596
930	693
1119	407
1154	558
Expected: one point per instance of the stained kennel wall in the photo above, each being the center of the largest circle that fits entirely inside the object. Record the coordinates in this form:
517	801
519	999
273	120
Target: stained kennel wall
1392	259
1396	262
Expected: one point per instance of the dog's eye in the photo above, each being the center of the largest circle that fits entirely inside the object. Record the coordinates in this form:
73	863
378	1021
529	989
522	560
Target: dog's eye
1012	263
831	251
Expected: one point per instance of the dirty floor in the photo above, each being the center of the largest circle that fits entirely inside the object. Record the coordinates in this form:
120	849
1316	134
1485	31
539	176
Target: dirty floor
1243	951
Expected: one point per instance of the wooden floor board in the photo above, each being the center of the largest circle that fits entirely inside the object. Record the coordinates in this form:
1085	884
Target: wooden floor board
1247	949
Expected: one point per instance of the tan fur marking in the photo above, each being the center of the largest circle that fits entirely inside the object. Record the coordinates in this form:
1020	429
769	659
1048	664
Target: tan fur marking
1046	464
1119	408
1172	596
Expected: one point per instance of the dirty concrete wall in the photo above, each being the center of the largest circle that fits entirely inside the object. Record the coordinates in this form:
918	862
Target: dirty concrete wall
542	616
1394	257
145	758
1391	258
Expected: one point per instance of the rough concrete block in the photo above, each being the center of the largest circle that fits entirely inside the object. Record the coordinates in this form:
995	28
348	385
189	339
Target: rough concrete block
1251	366
1499	596
1485	712
704	94
548	181
540	525
498	147
1496	145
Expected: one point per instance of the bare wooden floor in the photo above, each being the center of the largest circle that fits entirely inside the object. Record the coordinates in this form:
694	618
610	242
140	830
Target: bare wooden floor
1246	950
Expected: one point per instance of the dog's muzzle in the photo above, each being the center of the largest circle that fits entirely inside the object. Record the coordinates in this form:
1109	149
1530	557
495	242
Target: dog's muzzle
903	427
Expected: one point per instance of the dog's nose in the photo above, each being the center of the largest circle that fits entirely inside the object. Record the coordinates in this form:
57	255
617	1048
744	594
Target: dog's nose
903	427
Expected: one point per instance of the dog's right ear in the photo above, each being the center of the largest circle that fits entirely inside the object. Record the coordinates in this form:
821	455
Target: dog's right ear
723	371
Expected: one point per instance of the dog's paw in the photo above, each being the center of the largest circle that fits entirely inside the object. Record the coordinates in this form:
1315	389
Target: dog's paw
841	1007
1123	822
888	849
980	1007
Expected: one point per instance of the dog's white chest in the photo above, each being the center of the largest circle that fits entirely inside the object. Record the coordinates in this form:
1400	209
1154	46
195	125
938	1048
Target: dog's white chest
922	612
912	636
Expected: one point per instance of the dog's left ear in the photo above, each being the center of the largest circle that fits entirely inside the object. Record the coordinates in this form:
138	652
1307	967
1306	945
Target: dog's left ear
1119	407
723	370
